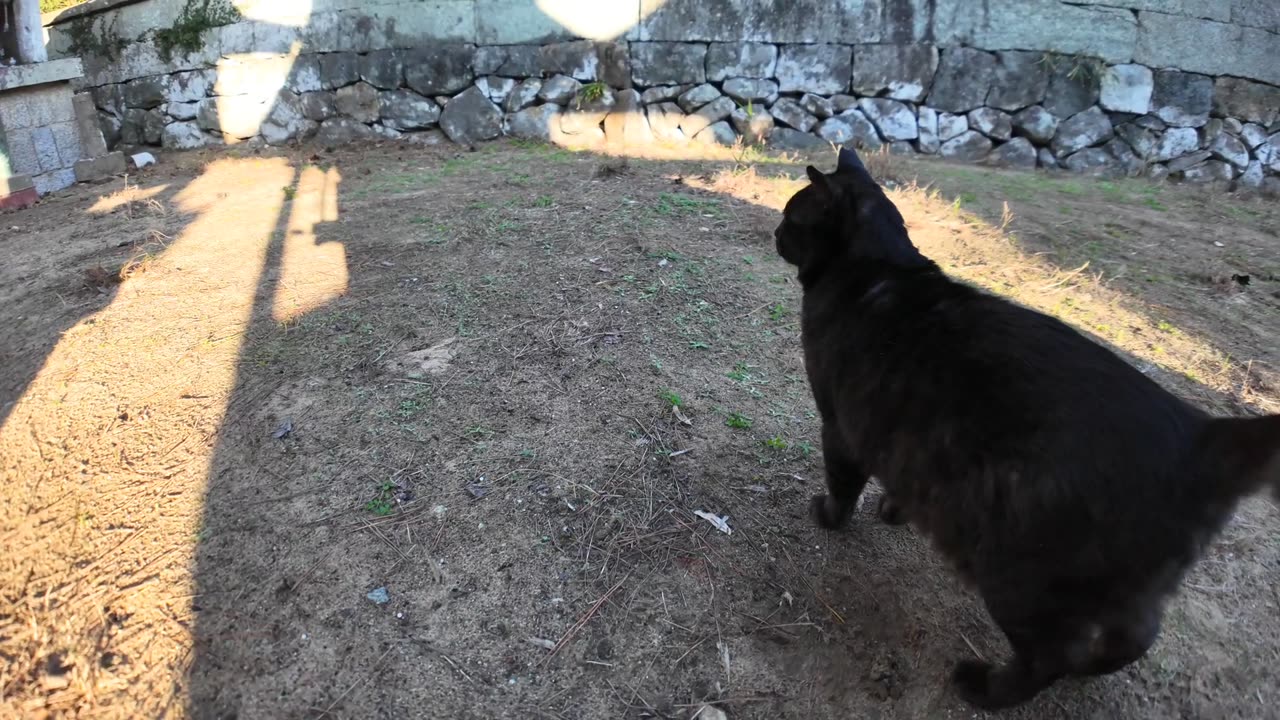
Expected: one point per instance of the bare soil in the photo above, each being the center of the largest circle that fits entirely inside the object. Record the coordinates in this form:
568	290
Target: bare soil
247	394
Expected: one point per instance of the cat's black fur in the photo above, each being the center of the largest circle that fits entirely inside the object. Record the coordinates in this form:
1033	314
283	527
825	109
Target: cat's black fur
1069	488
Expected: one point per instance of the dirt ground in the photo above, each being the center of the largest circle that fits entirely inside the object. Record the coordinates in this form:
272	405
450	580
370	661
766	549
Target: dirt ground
399	432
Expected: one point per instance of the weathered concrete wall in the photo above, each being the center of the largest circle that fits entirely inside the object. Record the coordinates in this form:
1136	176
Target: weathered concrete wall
1181	87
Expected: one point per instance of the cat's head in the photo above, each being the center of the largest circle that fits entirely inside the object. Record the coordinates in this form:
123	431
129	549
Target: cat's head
843	214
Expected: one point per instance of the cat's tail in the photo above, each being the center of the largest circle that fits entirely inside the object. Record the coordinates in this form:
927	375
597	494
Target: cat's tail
1243	454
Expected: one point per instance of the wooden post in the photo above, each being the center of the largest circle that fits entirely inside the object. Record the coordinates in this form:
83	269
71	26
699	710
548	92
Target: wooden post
26	15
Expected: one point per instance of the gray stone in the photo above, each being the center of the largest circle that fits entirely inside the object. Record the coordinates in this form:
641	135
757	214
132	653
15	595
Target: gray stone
1232	125
514	61
1020	80
181	110
1176	142
823	69
1253	135
754	127
287	120
1210	131
1037	124
342	130
1249	101
1070	93
536	123
470	117
523	95
1082	130
968	146
667	63
995	124
318	106
66	139
817	105
406	110
190	86
152	127
110	99
131	125
1182	99
144	93
664	121
697	96
628	125
1142	141
785	138
338	70
927	121
383	69
496	88
1271	187
713	112
1213	48
585	115
1127	88
577	59
100	167
183	136
964	78
951	126
842	103
54	180
424	137
1208	172
559	90
1228	148
1017	153
741	60
358	102
1252	175
1091	161
663	93
110	125
1150	122
901	147
894	120
304	75
1075	28
383	131
439	70
1129	163
1157	173
751	90
1182	163
901	72
851	128
718	133
1046	159
615	64
788	112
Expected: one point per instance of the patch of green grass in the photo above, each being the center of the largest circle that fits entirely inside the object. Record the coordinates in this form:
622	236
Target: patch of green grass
1166	327
383	501
805	448
777	312
699	345
776	443
671	397
739	373
543	201
678	204
738	421
289	192
1155	204
186	35
591	92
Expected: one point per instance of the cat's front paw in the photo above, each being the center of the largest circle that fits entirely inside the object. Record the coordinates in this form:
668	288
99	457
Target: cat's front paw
972	681
890	512
826	512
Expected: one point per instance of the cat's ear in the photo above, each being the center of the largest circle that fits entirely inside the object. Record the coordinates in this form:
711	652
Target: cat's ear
821	182
849	161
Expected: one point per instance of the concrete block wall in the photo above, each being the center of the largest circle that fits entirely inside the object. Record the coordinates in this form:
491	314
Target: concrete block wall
1181	88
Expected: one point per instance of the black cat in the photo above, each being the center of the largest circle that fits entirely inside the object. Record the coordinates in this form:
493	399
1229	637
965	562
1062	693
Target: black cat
1069	488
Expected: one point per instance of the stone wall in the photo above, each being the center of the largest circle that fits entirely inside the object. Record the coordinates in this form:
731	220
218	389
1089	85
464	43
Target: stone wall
1179	88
